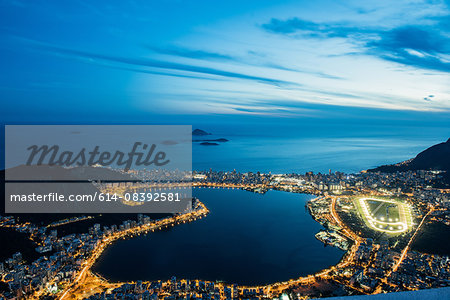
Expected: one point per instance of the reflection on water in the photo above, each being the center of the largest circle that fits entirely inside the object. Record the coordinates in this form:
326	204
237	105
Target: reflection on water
303	154
247	238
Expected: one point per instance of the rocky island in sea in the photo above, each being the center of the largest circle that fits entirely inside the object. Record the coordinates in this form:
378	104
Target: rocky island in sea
206	142
199	132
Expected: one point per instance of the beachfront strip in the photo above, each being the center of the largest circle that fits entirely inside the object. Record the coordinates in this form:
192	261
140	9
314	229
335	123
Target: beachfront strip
376	259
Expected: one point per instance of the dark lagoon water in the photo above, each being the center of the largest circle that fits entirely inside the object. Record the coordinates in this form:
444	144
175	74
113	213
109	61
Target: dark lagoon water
247	238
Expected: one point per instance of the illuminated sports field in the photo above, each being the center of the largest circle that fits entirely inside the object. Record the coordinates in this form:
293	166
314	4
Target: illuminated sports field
385	215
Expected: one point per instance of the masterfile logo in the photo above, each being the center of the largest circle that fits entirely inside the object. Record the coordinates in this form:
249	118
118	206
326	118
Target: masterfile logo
97	168
51	155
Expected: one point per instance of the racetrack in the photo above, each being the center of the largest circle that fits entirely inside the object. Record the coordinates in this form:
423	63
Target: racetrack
385	215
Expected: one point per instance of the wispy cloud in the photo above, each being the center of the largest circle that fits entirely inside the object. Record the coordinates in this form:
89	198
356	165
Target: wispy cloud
158	64
299	27
221	57
161	73
419	45
302	70
189	53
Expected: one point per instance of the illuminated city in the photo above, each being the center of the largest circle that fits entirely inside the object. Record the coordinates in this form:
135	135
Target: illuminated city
368	266
232	150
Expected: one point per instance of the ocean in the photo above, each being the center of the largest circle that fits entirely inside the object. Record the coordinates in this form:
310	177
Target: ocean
306	150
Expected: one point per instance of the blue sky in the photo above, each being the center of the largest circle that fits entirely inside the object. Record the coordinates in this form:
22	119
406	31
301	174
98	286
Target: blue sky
176	62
